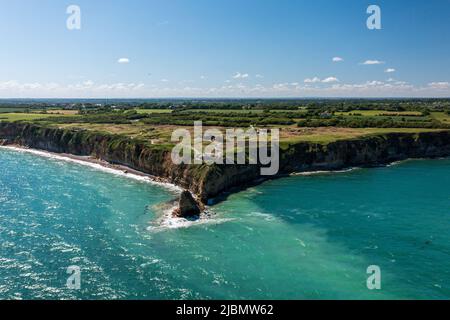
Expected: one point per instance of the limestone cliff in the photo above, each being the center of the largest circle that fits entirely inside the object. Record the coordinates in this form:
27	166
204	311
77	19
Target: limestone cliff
112	148
210	181
359	152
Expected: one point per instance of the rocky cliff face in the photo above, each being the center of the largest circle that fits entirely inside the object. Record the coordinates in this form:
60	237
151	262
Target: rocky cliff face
114	149
361	152
210	181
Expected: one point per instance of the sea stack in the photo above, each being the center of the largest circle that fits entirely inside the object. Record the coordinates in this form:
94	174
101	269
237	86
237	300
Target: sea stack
188	207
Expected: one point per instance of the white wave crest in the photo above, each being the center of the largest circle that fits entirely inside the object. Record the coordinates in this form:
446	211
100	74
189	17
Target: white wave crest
96	166
168	222
312	173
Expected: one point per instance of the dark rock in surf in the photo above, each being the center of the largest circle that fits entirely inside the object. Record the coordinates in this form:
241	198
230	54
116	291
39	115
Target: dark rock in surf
188	207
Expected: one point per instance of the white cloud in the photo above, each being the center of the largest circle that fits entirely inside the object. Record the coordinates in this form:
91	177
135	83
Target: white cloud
259	76
312	80
374	88
439	85
281	86
239	75
164	80
330	79
91	89
317	80
86	89
88	83
337	59
374	83
389	70
123	60
203	77
372	62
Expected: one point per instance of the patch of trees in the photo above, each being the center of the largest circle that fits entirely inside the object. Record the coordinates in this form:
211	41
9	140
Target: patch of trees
371	122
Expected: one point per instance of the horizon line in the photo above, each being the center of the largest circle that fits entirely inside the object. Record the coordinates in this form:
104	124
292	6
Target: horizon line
231	98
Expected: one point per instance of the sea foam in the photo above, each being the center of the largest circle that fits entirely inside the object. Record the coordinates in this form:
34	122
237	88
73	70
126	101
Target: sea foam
96	166
167	221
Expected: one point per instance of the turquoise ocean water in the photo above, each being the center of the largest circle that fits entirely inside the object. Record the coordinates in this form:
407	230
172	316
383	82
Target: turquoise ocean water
303	237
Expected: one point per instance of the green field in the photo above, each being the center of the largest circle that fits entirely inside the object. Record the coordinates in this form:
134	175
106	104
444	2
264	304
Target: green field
322	122
26	116
153	111
223	111
238	111
288	134
441	116
328	135
12	109
377	113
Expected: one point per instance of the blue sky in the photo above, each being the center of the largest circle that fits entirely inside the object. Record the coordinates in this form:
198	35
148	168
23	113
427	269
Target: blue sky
224	48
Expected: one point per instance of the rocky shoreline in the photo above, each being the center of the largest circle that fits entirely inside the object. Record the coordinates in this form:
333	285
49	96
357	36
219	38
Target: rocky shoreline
209	182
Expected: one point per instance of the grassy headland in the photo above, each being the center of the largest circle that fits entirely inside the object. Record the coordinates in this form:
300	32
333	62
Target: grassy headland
314	135
299	121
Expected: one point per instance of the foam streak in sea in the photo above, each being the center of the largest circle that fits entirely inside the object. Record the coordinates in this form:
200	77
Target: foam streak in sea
97	166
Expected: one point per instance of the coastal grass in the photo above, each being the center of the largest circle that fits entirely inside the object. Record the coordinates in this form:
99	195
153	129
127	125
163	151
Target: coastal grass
59	112
441	116
26	116
156	135
329	135
159	135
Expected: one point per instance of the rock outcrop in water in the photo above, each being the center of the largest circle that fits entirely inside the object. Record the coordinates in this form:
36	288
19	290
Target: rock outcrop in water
187	207
207	182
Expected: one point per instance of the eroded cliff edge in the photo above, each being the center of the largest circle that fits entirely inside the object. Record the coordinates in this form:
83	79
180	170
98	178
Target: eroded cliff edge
210	181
